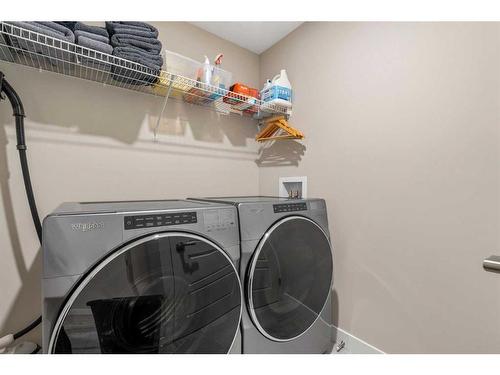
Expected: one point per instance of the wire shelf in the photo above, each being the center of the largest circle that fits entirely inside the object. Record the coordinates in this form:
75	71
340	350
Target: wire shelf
32	49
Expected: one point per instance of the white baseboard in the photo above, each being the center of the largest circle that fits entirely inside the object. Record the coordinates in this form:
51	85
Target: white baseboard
351	344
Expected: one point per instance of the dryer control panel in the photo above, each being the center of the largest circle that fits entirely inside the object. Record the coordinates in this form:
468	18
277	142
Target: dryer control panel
159	220
289	207
219	220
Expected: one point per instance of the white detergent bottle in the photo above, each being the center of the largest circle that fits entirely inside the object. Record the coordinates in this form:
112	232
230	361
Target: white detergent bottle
280	91
265	90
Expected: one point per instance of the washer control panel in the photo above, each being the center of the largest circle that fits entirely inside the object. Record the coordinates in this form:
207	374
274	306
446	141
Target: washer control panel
219	220
159	220
289	207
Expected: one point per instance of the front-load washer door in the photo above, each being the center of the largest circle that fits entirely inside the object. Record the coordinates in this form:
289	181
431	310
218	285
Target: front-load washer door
289	278
166	293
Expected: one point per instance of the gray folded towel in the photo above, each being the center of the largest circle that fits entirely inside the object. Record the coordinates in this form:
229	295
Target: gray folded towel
98	43
69	24
51	29
98	68
66	33
146	74
137	26
123	29
31	44
141	57
86	34
149	45
137	79
91	29
141	75
95	45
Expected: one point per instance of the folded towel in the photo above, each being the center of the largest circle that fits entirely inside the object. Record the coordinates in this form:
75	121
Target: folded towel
98	68
149	45
137	79
69	24
74	25
95	64
28	43
66	33
137	26
137	55
51	29
123	29
146	74
92	29
95	44
94	60
86	34
95	38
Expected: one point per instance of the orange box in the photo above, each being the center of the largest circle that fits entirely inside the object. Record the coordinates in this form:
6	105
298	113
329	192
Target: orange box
236	94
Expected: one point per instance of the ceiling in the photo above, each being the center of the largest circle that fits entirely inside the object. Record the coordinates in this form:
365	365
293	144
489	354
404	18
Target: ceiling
254	36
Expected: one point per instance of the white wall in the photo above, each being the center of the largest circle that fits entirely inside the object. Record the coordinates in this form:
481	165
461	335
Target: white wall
87	142
402	140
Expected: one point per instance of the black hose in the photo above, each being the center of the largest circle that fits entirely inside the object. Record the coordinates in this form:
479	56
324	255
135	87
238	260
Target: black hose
28	328
18	112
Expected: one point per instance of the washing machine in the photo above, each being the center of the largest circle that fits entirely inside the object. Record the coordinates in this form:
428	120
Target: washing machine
287	268
141	277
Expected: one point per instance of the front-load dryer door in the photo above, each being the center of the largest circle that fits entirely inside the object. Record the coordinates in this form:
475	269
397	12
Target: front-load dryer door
289	278
166	293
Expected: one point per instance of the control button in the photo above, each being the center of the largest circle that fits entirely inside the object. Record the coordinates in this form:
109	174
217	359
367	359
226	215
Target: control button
289	207
142	221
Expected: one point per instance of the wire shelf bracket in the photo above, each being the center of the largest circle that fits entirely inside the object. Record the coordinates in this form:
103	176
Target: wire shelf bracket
167	95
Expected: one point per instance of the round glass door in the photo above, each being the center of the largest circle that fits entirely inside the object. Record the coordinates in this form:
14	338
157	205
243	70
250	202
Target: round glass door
166	293
289	278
